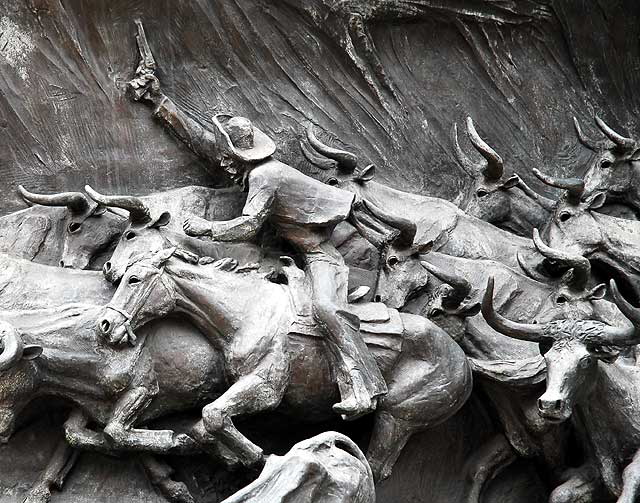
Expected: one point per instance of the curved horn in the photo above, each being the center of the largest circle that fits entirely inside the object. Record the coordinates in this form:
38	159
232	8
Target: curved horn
580	265
316	160
138	211
13	347
77	202
622	142
495	165
595	146
470	167
462	286
522	331
346	160
574	186
632	313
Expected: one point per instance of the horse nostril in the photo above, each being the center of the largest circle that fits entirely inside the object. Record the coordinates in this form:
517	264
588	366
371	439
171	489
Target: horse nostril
107	266
540	405
62	263
377	298
105	326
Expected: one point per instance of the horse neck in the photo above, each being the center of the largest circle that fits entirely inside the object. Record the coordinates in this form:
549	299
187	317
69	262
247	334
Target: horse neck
216	301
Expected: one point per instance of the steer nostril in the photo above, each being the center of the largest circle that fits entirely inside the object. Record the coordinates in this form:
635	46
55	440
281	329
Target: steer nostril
558	404
540	405
105	326
377	298
62	263
107	266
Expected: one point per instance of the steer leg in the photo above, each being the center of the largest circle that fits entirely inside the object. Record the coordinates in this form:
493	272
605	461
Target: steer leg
582	485
54	474
631	481
159	474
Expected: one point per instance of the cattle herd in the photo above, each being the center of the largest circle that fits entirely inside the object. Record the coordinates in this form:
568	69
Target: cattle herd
530	299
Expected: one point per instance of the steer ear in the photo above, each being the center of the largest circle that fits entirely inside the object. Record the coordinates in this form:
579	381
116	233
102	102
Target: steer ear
597	201
597	292
162	220
510	182
159	258
31	352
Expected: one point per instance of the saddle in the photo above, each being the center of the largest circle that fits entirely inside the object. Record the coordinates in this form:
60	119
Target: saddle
380	325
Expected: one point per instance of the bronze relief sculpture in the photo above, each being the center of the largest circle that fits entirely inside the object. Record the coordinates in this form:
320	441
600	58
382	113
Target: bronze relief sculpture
293	325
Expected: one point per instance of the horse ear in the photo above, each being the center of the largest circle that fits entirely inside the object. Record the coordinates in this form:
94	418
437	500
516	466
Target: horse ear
597	200
31	352
159	258
510	182
597	292
161	221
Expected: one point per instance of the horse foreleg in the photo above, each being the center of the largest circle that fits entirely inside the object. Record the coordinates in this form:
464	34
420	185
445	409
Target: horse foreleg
122	436
253	393
159	474
631	481
492	457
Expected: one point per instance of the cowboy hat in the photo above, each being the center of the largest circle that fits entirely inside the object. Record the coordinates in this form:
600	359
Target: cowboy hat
240	139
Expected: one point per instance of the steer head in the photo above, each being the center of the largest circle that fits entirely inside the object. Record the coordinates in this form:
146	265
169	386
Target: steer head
489	196
17	377
400	276
571	348
140	235
572	226
89	227
614	168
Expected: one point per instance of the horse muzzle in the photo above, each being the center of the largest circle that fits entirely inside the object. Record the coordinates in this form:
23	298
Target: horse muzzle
111	326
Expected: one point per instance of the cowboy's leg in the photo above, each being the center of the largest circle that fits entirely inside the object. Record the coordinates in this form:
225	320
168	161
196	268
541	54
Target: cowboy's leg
359	378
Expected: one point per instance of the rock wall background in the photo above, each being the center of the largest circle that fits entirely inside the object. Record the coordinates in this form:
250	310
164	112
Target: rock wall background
520	69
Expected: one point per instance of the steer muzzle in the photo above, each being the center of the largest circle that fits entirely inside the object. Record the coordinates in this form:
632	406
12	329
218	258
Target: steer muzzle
554	408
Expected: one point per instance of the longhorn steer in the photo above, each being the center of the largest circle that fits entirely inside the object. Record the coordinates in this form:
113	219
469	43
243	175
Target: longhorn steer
508	203
582	377
145	232
615	167
576	227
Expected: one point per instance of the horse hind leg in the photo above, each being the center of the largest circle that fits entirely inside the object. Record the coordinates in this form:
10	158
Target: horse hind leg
486	464
389	437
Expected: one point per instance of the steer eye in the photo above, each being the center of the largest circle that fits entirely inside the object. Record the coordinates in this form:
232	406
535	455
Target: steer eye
482	193
332	181
130	235
606	164
564	216
134	280
74	227
561	299
392	261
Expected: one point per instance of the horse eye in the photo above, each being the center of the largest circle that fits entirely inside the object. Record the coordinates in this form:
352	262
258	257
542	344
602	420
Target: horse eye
130	235
392	261
482	193
74	227
564	216
561	300
332	181
606	164
134	280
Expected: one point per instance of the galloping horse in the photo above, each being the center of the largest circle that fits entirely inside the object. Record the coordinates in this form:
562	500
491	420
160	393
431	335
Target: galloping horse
274	355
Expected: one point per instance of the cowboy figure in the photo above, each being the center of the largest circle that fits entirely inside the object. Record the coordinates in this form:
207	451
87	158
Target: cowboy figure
305	212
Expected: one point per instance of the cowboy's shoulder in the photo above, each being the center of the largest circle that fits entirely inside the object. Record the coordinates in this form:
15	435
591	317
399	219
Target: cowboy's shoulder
271	169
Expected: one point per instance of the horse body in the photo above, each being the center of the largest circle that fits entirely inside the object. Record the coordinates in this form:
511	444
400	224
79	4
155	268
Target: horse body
257	326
